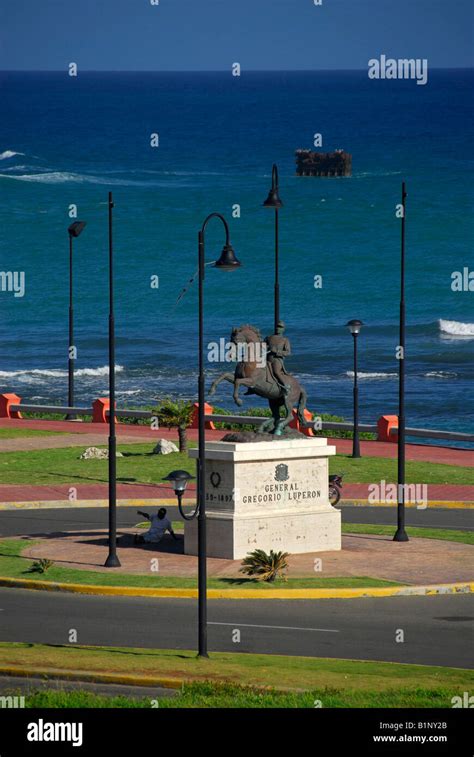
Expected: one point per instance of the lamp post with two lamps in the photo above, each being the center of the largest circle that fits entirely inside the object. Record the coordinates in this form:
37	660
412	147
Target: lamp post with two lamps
273	201
226	262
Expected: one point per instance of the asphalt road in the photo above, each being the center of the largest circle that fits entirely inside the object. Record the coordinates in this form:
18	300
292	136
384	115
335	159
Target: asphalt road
18	522
437	630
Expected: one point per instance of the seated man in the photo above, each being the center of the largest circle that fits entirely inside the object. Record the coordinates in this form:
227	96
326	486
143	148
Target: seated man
159	525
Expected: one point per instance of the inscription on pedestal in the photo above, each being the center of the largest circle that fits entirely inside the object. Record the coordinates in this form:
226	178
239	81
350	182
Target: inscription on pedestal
267	495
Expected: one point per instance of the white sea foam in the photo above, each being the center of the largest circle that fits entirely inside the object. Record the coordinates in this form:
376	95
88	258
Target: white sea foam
9	154
66	177
369	375
38	373
56	177
104	371
369	174
19	168
441	374
456	328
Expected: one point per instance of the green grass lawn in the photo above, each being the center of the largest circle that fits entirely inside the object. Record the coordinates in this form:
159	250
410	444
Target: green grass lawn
445	534
13	565
209	694
373	469
219	681
53	466
14	433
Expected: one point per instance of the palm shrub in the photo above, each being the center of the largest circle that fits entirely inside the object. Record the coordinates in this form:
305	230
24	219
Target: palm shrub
265	567
40	566
176	414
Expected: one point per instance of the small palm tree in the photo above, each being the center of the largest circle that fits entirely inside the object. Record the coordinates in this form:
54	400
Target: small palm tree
176	414
40	566
265	567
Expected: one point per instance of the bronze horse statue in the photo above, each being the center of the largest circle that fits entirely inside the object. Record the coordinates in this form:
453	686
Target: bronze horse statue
259	379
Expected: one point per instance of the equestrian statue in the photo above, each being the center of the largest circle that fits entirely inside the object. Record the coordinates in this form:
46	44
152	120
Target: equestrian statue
268	378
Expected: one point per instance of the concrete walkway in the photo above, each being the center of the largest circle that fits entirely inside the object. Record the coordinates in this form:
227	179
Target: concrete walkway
88	439
419	561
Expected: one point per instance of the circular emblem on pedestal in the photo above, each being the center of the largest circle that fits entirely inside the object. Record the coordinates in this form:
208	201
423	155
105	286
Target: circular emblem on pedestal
215	479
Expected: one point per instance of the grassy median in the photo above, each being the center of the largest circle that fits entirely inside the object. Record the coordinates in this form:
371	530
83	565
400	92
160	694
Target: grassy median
241	680
444	534
140	466
13	565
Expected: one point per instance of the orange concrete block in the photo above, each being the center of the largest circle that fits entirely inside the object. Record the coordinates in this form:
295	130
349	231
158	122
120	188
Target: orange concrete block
384	425
6	401
208	410
297	425
99	409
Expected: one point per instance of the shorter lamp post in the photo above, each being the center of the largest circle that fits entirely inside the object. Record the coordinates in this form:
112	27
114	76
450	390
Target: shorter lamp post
354	327
179	479
112	560
273	201
74	230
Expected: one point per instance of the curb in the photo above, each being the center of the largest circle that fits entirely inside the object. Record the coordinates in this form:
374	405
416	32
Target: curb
79	675
466	587
155	501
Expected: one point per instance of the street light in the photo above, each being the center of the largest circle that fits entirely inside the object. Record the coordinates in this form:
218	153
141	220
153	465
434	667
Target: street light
354	327
74	230
179	479
112	558
401	534
273	201
226	262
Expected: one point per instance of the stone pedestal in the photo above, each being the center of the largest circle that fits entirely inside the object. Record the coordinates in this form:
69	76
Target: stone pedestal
267	495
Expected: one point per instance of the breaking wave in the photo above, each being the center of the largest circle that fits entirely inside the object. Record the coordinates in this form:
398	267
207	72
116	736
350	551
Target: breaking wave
9	154
369	375
37	373
456	328
59	177
441	374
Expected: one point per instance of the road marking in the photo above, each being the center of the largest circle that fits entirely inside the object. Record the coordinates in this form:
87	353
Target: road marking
278	628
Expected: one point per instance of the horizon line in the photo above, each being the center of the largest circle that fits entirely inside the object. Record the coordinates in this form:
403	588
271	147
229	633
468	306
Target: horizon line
209	70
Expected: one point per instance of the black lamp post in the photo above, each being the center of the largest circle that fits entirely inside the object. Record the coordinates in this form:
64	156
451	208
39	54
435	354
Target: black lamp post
179	479
401	534
273	201
112	558
74	231
226	262
354	327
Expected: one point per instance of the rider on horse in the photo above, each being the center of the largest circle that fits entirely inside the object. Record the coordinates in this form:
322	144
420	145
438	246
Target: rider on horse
278	349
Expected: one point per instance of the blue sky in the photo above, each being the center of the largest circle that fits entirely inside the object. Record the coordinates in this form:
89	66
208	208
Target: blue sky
212	34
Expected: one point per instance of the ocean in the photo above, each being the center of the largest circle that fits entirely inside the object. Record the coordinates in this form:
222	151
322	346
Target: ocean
68	141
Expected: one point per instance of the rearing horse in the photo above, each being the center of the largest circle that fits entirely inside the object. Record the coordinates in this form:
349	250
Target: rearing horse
260	380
